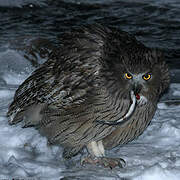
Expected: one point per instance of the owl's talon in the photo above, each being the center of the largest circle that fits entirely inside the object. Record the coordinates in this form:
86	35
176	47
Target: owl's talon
122	163
88	160
112	162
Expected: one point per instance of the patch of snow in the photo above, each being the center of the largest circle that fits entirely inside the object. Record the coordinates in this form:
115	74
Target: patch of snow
176	93
14	78
5	93
158	172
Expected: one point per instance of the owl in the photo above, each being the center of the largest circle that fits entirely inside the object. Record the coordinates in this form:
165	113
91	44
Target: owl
97	90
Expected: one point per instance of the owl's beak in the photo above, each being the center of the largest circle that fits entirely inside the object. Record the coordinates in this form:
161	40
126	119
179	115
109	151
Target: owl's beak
136	88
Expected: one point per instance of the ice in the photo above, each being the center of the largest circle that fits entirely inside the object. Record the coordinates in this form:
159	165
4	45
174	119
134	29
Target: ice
155	155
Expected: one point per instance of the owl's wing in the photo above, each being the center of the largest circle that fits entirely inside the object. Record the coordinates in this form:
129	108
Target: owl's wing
62	89
29	92
64	96
66	80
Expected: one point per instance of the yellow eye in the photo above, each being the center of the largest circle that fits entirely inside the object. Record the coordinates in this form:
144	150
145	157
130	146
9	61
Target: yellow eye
128	76
147	77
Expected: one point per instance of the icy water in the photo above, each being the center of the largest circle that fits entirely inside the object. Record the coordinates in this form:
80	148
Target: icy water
155	155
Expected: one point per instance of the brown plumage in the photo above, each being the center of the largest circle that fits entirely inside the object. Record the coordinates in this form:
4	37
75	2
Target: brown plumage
88	80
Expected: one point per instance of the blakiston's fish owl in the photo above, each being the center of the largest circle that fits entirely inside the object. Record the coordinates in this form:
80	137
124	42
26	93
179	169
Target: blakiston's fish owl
99	89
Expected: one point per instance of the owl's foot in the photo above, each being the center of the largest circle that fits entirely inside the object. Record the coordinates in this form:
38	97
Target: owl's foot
104	161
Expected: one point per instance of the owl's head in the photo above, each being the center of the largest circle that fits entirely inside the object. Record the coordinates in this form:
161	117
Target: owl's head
144	71
121	62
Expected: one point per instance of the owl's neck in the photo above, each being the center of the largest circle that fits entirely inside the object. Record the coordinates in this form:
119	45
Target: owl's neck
116	103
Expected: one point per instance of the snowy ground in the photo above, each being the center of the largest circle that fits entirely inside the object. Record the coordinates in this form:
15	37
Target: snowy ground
155	155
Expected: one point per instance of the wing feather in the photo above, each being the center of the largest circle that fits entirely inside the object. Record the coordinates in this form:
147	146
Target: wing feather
66	79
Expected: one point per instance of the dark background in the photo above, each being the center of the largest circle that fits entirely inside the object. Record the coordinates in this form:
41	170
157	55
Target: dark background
156	23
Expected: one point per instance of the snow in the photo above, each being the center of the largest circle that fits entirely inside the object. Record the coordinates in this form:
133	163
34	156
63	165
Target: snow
24	153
